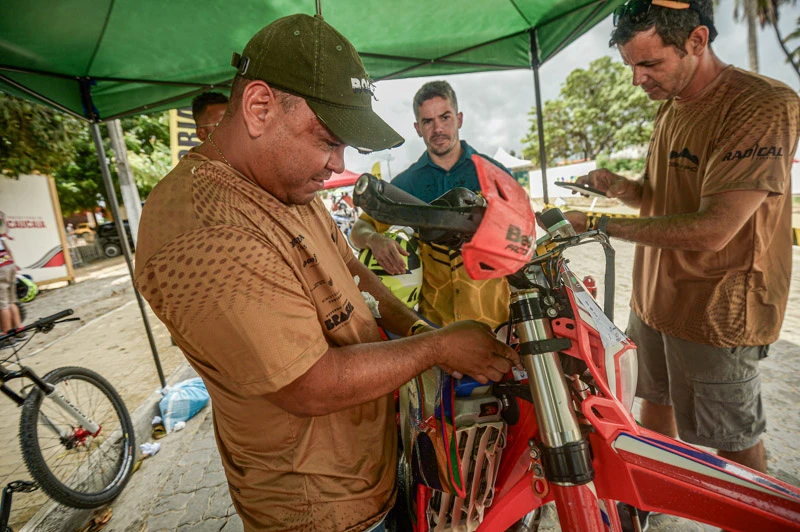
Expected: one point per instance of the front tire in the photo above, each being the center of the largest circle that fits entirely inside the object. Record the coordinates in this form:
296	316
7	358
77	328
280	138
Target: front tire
76	468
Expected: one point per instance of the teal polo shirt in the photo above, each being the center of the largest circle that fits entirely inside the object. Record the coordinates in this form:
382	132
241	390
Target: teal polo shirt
427	180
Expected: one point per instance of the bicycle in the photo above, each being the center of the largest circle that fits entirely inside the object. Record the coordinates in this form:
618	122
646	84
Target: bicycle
75	432
561	431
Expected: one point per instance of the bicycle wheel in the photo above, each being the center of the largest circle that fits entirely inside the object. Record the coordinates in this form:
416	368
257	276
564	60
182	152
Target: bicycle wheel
71	465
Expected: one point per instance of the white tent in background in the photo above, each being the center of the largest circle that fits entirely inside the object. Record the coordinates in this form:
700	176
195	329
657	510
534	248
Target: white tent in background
567	173
511	162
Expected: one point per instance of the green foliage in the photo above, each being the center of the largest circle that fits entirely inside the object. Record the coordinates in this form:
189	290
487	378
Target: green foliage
598	111
626	167
148	169
36	138
145	133
795	35
79	181
33	138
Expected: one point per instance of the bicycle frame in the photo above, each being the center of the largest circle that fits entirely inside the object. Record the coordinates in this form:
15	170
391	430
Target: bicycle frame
580	446
51	392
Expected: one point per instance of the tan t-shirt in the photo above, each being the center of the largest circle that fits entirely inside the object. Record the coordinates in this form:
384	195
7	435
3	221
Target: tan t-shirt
739	133
254	293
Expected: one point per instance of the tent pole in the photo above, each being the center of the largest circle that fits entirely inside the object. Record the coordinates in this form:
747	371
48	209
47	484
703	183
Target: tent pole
539	119
112	200
127	185
91	113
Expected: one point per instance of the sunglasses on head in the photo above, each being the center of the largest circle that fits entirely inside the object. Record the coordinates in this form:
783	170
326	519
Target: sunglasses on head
637	10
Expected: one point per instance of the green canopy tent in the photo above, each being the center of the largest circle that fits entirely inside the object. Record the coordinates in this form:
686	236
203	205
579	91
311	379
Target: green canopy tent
104	59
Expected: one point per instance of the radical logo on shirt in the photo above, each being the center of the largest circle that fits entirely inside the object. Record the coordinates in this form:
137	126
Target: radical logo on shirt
686	154
756	152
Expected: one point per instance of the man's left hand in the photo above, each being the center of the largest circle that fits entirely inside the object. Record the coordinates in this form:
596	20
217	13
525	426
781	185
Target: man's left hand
578	220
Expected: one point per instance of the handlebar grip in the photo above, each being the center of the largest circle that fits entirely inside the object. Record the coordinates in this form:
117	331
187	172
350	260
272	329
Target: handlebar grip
398	195
55	317
447	225
39	324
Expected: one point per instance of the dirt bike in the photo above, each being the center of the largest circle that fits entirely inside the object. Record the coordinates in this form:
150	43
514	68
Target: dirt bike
562	430
345	217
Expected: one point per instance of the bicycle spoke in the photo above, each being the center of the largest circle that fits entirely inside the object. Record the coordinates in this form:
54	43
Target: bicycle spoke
93	462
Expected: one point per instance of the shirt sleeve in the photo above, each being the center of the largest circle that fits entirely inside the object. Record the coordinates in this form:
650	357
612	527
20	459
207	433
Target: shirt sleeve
756	145
236	306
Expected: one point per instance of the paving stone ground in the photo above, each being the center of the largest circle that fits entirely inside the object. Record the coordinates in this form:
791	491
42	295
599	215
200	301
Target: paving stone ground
181	488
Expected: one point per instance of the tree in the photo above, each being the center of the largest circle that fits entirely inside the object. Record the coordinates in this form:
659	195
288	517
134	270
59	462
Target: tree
79	182
147	141
763	12
33	138
794	55
598	111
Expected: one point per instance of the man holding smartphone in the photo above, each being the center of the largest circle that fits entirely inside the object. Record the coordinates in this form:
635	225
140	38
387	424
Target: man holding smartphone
714	247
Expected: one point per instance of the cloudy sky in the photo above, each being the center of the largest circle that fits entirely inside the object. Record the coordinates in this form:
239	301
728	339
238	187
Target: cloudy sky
496	104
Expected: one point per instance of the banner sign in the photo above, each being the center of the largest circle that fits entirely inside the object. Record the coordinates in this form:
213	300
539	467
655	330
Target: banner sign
35	233
182	134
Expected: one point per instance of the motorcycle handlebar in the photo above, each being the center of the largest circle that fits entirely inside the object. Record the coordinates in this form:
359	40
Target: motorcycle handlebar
388	204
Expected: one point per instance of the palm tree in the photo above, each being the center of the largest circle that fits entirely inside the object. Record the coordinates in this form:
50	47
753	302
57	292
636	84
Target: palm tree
762	12
794	55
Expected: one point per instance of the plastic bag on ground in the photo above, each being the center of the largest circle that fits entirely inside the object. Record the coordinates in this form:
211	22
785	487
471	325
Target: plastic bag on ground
182	401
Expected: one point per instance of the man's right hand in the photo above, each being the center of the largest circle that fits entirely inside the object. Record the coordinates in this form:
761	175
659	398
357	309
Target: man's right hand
388	252
471	348
614	185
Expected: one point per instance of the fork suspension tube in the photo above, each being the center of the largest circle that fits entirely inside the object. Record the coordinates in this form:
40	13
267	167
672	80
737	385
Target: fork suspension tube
73	411
565	453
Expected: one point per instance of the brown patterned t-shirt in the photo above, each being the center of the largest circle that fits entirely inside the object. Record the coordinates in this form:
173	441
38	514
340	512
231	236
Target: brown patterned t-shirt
254	293
739	133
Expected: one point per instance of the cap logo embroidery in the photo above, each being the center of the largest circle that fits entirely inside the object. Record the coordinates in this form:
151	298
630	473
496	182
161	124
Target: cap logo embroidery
361	85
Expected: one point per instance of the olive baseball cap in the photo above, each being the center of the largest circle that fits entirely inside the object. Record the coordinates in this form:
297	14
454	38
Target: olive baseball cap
307	57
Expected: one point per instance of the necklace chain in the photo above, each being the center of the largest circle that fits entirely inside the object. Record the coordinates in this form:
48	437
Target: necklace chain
211	140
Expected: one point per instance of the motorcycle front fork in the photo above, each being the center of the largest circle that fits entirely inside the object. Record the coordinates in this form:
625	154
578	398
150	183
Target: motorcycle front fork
562	460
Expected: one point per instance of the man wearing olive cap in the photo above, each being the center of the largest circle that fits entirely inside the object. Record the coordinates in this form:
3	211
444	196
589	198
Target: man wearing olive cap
243	263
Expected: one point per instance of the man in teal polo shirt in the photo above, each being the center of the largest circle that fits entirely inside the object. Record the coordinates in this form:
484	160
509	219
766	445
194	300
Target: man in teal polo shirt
448	294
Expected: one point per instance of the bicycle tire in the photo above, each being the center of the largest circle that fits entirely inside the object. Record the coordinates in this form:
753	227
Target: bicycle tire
80	471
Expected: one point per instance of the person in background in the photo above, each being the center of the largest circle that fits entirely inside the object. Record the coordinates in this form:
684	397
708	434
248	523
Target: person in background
9	311
208	108
448	294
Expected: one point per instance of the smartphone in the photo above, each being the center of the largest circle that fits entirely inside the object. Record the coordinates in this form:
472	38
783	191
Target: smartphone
582	189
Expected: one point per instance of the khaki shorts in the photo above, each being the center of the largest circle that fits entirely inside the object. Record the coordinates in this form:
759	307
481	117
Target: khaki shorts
715	392
8	286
